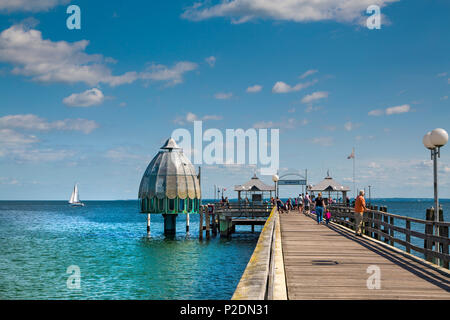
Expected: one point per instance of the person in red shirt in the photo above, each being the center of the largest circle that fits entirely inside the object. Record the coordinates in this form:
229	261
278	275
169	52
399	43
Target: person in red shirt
360	207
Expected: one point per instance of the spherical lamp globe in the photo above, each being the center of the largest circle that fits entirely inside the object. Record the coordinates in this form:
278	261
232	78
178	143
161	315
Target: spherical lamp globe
275	178
439	137
427	141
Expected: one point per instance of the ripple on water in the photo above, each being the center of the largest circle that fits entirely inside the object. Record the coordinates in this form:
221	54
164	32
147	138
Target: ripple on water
108	241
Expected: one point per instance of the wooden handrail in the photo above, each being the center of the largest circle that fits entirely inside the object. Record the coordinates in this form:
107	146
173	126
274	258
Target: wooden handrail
259	279
375	219
440	223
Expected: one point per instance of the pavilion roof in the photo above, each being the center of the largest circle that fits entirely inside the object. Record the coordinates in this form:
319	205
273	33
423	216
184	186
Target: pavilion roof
329	184
255	184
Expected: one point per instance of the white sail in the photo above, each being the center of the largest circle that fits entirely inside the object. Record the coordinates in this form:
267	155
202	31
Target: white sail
72	197
76	197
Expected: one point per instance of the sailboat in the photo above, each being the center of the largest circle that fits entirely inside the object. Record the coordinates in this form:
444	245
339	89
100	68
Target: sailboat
75	198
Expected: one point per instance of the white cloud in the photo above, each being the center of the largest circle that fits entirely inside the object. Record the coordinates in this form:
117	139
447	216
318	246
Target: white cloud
19	147
312	108
349	126
121	154
308	73
398	109
444	98
33	122
254	89
30	5
211	61
377	112
241	11
61	61
173	76
38	155
374	165
282	87
315	96
443	74
191	117
323	141
83	125
392	110
290	123
11	138
223	95
88	98
8	181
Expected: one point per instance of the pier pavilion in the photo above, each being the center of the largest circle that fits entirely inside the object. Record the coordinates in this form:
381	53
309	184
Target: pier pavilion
170	186
255	188
330	186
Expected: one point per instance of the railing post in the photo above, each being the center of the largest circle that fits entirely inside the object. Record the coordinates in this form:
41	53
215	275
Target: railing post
376	225
428	244
352	220
385	228
370	222
391	230
408	236
443	232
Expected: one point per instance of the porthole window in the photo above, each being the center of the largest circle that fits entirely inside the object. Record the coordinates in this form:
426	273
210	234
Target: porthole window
196	201
153	205
181	205
171	204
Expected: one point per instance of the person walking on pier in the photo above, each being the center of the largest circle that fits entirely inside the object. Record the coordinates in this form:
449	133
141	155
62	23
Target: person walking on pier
279	205
320	207
307	202
327	216
300	203
360	207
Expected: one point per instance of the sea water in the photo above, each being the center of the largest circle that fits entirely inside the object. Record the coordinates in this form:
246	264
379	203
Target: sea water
108	241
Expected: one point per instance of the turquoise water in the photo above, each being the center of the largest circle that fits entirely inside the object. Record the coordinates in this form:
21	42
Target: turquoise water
414	208
109	243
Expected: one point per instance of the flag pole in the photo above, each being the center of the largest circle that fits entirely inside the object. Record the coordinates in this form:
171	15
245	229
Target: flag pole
354	183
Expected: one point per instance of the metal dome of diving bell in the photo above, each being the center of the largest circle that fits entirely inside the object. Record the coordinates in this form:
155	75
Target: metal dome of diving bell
170	185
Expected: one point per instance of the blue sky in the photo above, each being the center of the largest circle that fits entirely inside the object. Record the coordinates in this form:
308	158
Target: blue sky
94	105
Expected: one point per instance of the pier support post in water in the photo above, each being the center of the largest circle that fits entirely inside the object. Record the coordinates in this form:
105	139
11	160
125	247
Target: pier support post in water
208	223
170	224
214	225
225	226
200	213
148	223
187	222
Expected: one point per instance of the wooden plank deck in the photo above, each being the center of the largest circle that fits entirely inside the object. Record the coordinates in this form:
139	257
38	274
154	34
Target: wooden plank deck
328	262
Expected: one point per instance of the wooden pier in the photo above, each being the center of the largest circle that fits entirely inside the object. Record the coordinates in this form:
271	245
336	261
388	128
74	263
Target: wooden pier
330	262
225	217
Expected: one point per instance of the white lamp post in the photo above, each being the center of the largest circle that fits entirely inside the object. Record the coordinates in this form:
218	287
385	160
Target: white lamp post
433	141
276	178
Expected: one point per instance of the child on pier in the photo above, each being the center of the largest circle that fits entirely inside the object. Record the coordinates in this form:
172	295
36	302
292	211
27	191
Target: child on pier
327	216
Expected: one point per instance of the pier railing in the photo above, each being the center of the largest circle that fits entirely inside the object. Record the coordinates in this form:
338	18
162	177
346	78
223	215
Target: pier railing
235	209
264	278
382	226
